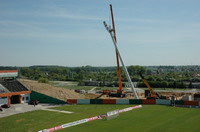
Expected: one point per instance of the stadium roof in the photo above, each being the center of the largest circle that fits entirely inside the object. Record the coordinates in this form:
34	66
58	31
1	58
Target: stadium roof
12	86
8	73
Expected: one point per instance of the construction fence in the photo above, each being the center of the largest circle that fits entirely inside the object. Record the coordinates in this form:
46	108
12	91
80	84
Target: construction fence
133	101
47	99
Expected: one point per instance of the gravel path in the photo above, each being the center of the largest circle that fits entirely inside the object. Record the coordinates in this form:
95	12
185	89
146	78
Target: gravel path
22	108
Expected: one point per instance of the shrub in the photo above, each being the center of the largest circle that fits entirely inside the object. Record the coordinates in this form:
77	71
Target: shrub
43	80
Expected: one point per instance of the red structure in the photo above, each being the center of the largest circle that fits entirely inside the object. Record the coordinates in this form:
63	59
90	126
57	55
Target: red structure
12	91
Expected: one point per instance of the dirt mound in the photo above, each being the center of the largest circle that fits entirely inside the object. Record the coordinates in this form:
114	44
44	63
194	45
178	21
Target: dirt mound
59	93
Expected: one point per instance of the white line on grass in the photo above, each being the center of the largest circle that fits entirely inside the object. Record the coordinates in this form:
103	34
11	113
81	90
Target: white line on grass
67	112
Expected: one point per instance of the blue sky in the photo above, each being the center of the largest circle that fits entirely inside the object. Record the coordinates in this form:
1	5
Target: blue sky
71	32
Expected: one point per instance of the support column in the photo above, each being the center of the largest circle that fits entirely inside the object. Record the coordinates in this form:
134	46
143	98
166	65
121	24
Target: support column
20	99
9	100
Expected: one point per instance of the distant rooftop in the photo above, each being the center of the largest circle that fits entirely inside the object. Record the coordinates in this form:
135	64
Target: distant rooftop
8	73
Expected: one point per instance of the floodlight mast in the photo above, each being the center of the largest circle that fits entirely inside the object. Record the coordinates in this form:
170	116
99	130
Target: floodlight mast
111	31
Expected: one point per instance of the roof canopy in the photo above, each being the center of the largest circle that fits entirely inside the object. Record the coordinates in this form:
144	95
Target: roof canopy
8	73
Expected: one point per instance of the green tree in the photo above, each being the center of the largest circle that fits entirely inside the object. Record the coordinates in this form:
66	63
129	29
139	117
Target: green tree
43	80
135	70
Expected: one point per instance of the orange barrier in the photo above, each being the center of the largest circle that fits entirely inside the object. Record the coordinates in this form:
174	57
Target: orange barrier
193	103
72	101
109	101
148	101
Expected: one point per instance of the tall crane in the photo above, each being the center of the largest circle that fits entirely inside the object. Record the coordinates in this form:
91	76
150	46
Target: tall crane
120	89
112	33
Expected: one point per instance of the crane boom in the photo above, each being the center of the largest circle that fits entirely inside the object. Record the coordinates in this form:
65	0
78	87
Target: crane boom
148	86
120	89
153	94
125	69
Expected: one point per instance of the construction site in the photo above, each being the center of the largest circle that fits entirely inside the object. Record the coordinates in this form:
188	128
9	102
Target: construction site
71	103
14	90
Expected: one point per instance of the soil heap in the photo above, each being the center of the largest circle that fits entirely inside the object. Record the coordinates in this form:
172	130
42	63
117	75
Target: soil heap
47	89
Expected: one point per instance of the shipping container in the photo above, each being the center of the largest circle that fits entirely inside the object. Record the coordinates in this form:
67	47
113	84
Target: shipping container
135	101
163	102
109	101
148	101
193	103
83	101
72	101
122	101
96	101
179	102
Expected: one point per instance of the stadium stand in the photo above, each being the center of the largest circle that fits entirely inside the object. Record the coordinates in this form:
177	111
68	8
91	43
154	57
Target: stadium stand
12	91
3	89
13	85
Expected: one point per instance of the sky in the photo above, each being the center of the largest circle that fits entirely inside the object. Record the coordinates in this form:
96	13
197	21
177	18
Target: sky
71	32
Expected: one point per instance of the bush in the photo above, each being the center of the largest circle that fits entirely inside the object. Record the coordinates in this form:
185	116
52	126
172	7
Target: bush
43	80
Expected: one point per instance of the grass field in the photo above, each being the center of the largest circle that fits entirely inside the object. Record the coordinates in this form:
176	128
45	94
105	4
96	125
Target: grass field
150	118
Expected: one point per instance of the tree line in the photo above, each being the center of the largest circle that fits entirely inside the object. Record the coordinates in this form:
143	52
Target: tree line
157	76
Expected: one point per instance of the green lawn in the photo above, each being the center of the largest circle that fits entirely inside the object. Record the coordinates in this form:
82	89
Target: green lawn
150	118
